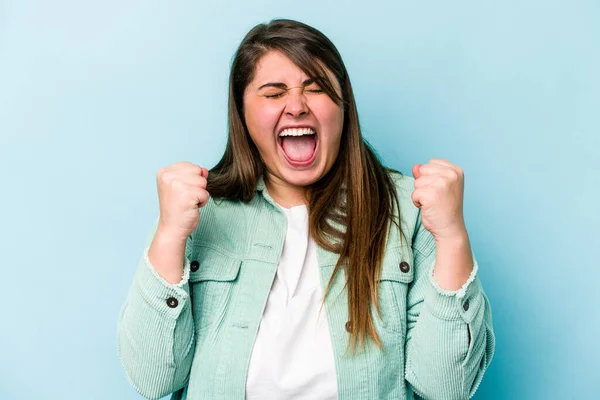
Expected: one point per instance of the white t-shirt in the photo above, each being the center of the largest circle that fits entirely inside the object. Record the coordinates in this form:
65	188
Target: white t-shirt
292	356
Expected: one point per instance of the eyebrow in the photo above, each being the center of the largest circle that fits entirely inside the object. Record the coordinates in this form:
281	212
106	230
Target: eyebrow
281	85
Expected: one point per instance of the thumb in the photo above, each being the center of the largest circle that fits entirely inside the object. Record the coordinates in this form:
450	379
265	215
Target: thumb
416	171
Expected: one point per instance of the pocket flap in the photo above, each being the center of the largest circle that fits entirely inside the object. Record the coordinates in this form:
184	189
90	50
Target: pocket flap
214	266
398	265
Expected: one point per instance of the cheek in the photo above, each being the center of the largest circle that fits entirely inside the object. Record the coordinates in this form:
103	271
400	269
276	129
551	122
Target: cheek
331	119
261	120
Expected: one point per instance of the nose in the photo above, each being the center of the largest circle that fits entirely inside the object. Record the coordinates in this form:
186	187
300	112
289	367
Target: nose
296	102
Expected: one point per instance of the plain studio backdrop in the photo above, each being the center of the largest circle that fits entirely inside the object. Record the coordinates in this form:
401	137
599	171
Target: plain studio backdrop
95	97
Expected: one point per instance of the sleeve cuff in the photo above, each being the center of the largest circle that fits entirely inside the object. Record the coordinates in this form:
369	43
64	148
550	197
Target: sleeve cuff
455	304
184	279
161	295
460	293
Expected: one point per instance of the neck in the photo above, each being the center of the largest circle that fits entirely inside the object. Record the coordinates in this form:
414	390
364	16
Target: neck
285	194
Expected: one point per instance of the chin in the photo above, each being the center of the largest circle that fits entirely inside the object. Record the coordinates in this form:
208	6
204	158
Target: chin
301	178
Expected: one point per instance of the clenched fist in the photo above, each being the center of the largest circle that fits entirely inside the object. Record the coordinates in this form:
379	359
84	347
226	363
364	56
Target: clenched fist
181	192
439	187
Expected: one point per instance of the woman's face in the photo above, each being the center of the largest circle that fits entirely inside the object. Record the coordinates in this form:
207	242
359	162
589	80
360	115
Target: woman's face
295	126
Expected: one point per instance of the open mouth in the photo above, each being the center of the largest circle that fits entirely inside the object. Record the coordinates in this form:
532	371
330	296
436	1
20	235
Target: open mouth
299	145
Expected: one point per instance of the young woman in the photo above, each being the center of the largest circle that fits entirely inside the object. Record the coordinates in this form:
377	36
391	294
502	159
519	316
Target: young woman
299	267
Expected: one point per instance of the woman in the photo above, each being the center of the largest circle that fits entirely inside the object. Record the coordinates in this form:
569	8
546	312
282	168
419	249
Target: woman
299	267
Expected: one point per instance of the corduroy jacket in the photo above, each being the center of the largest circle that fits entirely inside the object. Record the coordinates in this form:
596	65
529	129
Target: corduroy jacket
194	339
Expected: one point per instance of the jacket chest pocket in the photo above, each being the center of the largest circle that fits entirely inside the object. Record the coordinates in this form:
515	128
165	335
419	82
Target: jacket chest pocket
212	279
397	273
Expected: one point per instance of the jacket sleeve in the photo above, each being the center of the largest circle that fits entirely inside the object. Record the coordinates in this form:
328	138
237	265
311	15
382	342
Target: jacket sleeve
155	331
441	362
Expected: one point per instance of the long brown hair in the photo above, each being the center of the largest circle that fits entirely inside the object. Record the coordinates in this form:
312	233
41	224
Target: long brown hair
352	208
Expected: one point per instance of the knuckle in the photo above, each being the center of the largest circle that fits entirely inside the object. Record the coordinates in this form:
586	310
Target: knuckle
176	185
171	178
194	169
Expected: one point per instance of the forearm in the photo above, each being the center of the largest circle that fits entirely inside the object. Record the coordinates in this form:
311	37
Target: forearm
453	261
454	264
442	361
167	255
156	333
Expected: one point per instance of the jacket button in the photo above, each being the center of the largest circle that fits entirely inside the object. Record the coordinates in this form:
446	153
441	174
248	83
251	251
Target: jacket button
172	302
466	305
194	266
348	326
404	267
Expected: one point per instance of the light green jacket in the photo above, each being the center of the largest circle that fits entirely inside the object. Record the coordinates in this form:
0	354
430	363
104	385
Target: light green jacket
195	339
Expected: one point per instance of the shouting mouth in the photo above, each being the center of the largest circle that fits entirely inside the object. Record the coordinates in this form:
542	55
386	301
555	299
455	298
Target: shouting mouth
299	146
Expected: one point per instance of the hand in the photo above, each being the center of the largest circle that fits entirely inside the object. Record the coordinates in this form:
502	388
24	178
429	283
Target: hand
439	187
181	191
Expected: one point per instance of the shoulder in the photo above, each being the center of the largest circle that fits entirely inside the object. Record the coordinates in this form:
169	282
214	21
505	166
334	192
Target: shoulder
405	185
401	181
224	225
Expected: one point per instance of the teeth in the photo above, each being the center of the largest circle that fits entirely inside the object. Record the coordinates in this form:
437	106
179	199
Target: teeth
297	132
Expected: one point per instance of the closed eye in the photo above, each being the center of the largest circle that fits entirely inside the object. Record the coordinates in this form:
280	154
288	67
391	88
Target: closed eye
314	89
274	95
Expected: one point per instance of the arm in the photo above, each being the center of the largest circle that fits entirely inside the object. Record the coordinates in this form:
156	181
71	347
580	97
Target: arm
450	339
155	327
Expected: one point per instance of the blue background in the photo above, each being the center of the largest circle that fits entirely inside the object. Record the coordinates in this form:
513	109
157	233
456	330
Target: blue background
95	97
